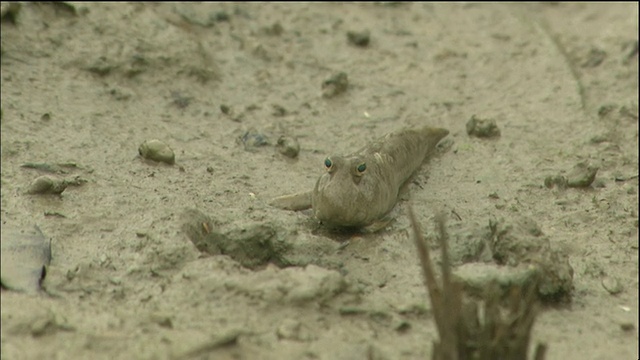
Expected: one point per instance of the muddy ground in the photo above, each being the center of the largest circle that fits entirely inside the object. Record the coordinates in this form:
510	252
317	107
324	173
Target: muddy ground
88	83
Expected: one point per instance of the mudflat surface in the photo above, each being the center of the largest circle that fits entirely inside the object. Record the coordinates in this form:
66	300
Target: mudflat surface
88	84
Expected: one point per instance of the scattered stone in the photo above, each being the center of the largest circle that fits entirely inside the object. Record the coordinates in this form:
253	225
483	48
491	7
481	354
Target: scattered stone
627	326
335	85
288	146
47	185
25	257
612	285
582	175
482	128
157	150
359	38
275	29
221	16
252	139
163	320
278	110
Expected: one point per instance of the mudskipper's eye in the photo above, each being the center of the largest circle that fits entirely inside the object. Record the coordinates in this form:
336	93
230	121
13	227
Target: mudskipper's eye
362	167
328	163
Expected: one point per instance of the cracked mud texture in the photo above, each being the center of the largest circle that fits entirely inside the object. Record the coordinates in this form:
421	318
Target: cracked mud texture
88	83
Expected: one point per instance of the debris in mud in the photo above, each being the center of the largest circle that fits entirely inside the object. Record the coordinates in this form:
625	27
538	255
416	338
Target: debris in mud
255	244
101	66
555	180
25	257
632	51
275	29
59	168
278	110
252	139
359	38
482	128
594	58
233	115
581	176
225	338
335	85
491	328
157	150
47	185
288	146
252	245
180	100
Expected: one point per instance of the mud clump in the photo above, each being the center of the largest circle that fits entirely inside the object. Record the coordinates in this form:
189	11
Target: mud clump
482	128
521	242
253	245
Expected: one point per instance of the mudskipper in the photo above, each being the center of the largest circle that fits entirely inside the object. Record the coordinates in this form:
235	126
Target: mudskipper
360	189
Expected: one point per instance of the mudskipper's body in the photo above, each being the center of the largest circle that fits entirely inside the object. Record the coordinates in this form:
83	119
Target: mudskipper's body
360	189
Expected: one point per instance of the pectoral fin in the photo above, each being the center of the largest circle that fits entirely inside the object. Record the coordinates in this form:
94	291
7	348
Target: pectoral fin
295	202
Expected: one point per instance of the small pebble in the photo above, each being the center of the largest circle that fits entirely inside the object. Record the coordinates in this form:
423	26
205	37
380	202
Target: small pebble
335	85
359	38
612	285
47	185
627	326
252	138
157	150
288	146
582	175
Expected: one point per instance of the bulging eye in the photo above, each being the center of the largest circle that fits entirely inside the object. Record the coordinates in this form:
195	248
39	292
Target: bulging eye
362	167
328	163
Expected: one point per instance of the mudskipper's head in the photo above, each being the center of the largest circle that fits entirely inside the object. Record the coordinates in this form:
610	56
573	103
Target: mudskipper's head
347	193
